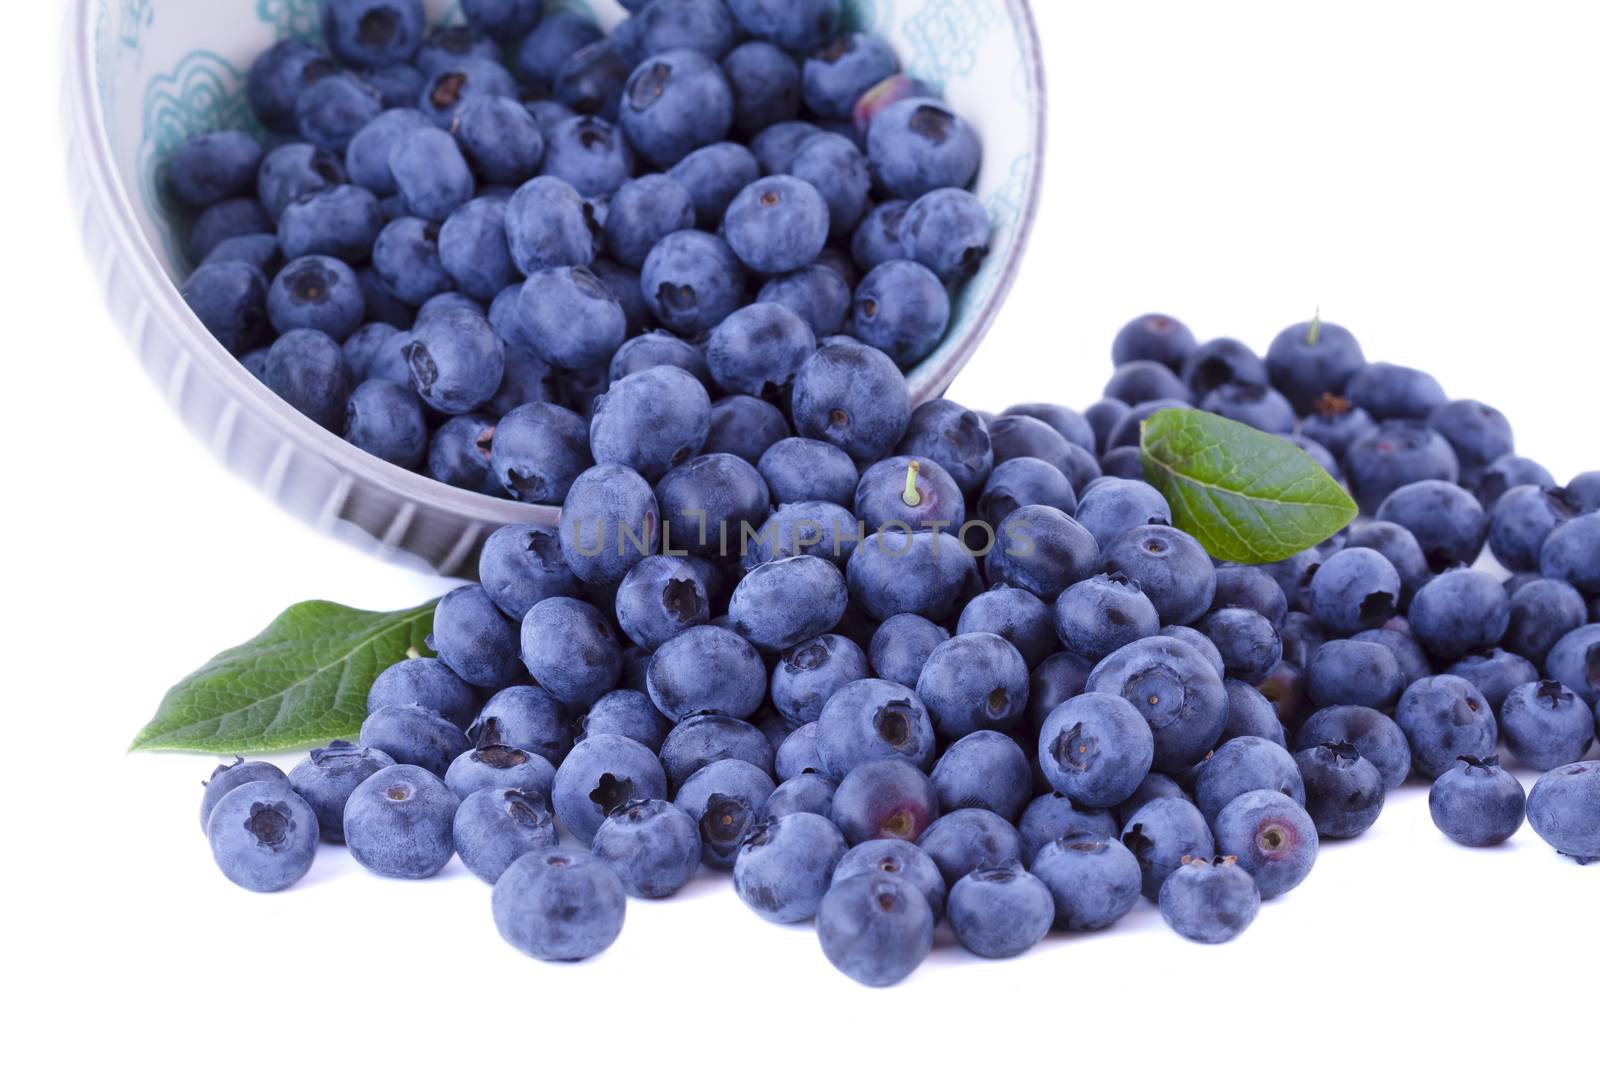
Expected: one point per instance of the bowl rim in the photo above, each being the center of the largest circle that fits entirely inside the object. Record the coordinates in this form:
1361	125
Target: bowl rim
159	295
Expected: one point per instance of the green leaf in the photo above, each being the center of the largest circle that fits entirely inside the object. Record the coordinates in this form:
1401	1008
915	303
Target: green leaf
1246	496
301	682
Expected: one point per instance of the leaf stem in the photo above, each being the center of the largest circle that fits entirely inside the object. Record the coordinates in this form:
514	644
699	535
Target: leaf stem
911	496
1314	334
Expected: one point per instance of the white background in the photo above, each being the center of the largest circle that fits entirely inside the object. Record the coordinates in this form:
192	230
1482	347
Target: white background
1425	172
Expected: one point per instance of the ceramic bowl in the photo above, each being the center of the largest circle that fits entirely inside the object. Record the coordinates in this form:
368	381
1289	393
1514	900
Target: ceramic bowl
144	75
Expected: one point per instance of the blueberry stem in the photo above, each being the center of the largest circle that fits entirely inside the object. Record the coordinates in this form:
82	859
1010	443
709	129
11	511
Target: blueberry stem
1315	333
911	496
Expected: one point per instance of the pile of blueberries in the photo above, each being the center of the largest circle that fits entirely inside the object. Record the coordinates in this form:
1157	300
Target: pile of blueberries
498	252
961	666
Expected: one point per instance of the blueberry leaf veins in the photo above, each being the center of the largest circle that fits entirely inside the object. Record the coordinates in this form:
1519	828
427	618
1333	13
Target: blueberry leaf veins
1246	496
301	682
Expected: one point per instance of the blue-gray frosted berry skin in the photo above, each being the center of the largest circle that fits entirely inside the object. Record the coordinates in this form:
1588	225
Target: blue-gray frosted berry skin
1575	663
397	823
1477	803
1251	714
1000	912
965	840
1564	810
1095	880
521	565
1170	567
1444	717
787	601
1052	816
1375	736
629	713
810	672
985	769
1041	549
974	681
725	799
1546	725
1344	791
873	719
786	865
475	639
525	717
651	845
884	798
492	827
706	738
559	904
263	835
853	396
600	775
1177	692
875	928
1161	833
707	669
230	776
499	766
570	649
327	777
1095	748
1273	837
1210	902
414	735
1241	766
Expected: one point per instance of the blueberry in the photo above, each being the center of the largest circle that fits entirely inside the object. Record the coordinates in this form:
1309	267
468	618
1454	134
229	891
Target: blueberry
758	349
1585	491
1495	672
816	293
316	293
985	770
787	601
556	904
956	439
626	713
570	650
558	35
1459	611
1248	644
1335	425
1413	661
230	776
1563	809
1546	725
521	565
1169	566
1447	521
1542	612
456	361
230	300
797	755
812	671
1095	749
1374	736
372	33
385	419
278	77
1143	381
1041	549
341	221
724	798
1159	835
397	822
590	154
745	427
525	717
428	683
812	528
499	766
258	250
901	647
651	421
703	25
591	80
1572	553
459	454
1354	672
493	827
504	20
911	492
1273	838
765	85
609	521
598	776
305	368
1242	765
777	224
1477	432
1093	880
901	308
795	25
876	927
897	857
974	681
873	719
1400	547
1000	912
1312	358
1522	520
918	145
1114	506
414	735
1052	816
1508	472
835	167
549	225
212	167
1160	338
444	46
1344	790
786	865
331	110
1388	391
1575	662
675	102
852	396
707	669
970	839
799	469
327	777
263	836
1396	454
652	846
1020	482
705	738
713	176
405	255
878	238
691	282
947	231
1444	717
1016	615
661	597
1176	691
810	793
711	504
453	83
658	349
1209	902
1476	802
